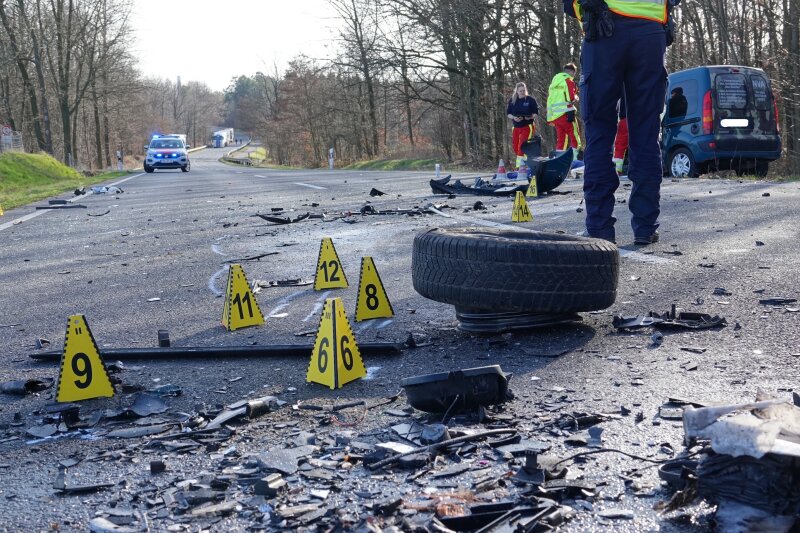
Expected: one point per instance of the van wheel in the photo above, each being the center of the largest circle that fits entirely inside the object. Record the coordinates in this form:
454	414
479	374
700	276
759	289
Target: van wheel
762	168
681	163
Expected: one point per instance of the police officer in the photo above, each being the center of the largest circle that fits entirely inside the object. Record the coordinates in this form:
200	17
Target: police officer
622	55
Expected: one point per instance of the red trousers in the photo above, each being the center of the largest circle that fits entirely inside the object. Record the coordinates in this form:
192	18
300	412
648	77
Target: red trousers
566	131
520	136
621	142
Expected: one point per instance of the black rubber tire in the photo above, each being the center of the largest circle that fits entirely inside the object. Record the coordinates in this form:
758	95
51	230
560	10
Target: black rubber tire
186	168
148	169
515	270
685	156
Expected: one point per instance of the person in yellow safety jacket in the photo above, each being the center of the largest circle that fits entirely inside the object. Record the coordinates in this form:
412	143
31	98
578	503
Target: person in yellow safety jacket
561	98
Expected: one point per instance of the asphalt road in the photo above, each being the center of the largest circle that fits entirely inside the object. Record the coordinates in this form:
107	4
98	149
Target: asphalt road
170	235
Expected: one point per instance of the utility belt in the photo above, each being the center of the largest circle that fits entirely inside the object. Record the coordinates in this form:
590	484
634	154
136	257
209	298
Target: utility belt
598	21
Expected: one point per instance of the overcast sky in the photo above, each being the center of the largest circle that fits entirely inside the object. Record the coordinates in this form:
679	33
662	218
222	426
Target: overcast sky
213	41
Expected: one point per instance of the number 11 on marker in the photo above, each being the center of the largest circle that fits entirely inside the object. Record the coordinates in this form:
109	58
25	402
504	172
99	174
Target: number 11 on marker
238	300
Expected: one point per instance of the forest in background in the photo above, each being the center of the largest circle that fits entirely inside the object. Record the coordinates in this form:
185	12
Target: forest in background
411	78
69	82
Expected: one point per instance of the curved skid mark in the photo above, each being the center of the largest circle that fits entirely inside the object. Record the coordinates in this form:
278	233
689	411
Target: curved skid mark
284	302
212	283
277	310
365	326
317	308
216	250
385	323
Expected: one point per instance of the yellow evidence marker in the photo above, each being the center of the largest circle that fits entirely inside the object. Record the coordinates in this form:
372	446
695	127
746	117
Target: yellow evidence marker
533	190
521	212
83	374
372	301
330	274
335	360
241	308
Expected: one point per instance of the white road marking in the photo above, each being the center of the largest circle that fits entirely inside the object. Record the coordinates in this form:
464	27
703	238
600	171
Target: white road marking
259	176
216	250
35	214
125	179
21	219
309	185
317	306
212	283
645	258
365	326
385	323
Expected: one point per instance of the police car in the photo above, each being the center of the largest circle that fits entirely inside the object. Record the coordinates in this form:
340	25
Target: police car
167	151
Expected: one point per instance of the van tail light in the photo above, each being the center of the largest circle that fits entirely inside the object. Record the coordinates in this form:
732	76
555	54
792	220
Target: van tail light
777	117
708	114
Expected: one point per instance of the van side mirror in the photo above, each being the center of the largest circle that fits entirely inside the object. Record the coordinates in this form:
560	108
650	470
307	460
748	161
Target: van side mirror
146	147
188	146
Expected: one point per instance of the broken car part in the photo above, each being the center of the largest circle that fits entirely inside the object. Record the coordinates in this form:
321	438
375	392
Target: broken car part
457	391
549	173
61	206
674	318
174	352
438	445
23	387
285	220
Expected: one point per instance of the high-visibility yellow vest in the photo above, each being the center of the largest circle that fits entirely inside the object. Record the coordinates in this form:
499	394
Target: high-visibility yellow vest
640	9
558	101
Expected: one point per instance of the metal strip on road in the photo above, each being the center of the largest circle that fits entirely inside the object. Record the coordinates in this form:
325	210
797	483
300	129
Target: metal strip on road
35	214
311	186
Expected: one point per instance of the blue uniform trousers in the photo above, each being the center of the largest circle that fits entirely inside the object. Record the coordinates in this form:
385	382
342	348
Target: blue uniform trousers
630	63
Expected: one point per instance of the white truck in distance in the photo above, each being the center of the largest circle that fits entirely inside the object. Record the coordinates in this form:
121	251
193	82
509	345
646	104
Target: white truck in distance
222	138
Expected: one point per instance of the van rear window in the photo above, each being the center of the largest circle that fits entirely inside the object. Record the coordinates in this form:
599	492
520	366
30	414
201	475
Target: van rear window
731	91
761	93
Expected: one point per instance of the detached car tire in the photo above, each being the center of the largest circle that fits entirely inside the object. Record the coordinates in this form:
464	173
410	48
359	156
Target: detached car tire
481	269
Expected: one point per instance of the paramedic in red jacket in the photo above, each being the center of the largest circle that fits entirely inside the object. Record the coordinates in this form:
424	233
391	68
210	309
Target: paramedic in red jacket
561	98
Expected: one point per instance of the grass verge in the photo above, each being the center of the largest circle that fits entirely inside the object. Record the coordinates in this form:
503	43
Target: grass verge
26	178
395	164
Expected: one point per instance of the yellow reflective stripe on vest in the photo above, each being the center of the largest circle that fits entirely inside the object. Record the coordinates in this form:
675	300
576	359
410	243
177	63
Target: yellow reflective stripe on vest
645	9
560	107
